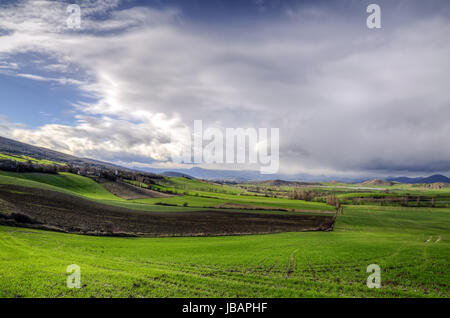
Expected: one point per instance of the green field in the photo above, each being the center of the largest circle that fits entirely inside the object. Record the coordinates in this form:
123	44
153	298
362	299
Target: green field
64	182
411	245
23	158
83	186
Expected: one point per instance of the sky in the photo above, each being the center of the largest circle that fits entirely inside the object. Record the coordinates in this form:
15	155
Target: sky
124	88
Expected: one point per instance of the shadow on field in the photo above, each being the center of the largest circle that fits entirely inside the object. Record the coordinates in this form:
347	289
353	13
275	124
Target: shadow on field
39	208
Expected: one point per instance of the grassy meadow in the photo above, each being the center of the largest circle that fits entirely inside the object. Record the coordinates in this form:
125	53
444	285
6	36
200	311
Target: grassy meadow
23	158
411	246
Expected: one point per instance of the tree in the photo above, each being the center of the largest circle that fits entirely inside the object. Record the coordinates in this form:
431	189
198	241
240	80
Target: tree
332	200
405	201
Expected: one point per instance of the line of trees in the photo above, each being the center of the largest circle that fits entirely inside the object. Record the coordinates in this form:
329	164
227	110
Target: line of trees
27	166
302	194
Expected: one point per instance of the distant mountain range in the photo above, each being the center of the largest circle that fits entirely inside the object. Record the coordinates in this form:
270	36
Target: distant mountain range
431	179
248	175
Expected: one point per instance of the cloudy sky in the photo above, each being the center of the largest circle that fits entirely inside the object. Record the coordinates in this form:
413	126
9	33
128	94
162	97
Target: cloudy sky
124	87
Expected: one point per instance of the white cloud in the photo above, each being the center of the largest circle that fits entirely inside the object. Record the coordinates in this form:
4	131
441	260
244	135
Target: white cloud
62	81
33	77
8	66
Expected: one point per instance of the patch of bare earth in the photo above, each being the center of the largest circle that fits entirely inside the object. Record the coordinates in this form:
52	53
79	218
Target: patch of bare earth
38	208
131	192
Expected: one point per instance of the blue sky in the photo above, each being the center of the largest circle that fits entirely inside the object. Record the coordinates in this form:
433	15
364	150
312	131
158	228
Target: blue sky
36	102
347	99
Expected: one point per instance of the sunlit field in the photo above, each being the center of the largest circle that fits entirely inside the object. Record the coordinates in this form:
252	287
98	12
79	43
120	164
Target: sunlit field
411	245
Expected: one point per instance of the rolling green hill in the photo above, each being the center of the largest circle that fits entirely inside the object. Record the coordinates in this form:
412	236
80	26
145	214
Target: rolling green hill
23	158
86	187
65	182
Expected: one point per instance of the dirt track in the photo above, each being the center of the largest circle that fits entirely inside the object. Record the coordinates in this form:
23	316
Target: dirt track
49	209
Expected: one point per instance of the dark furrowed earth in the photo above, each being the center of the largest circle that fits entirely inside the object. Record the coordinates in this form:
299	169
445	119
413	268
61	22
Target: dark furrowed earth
130	192
39	208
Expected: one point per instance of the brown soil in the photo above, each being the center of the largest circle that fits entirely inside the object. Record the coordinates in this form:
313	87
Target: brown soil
46	209
131	192
377	182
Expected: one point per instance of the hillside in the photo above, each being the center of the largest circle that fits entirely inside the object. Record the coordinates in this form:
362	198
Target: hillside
176	174
377	182
174	206
281	183
13	147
